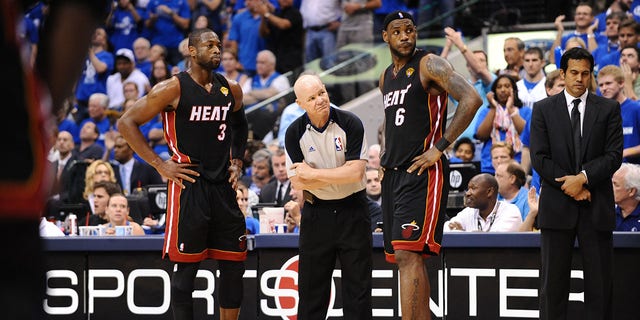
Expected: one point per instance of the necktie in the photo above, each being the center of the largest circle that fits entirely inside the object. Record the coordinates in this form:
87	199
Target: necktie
279	194
577	136
60	170
125	179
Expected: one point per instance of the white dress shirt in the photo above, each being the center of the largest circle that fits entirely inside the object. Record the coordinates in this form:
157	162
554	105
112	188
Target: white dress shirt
283	186
505	217
581	106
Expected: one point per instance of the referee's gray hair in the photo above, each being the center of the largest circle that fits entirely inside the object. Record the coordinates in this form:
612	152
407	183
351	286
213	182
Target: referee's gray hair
305	80
631	177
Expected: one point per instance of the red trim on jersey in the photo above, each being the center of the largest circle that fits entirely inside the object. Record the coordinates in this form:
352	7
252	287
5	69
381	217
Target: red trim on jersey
227	255
26	198
391	258
433	203
169	124
173	216
171	245
174	192
437	108
431	213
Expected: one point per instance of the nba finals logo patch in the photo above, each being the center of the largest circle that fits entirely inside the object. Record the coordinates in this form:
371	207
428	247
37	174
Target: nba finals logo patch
408	229
224	91
338	143
409	72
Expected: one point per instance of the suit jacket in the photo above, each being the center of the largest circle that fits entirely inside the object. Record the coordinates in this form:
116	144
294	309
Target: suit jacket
268	193
94	151
142	175
552	155
69	187
60	185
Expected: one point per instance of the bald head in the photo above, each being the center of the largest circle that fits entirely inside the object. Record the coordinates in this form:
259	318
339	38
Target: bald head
482	193
64	143
312	97
305	82
486	180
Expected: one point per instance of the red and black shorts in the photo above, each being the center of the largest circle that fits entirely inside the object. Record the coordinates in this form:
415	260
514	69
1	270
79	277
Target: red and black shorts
204	222
414	209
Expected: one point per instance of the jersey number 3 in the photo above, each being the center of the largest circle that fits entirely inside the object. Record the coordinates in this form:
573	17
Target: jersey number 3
221	135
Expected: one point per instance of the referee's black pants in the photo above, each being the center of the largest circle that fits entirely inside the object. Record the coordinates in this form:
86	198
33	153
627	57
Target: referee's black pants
329	230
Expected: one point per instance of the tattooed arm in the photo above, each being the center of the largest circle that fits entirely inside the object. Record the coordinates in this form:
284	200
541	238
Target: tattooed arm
437	75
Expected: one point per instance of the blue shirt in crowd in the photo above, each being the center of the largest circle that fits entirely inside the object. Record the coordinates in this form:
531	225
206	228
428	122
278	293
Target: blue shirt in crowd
630	223
630	112
520	201
485	155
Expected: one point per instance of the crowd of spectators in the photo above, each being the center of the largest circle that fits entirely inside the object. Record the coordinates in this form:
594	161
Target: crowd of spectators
501	129
266	44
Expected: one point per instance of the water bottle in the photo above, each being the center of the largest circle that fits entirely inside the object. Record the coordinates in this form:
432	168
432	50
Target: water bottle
73	225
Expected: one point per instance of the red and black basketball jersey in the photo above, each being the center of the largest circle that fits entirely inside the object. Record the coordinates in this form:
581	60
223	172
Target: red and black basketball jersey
415	119
199	130
24	183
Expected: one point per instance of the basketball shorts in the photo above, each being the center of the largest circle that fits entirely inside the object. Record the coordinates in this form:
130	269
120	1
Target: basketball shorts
204	222
414	209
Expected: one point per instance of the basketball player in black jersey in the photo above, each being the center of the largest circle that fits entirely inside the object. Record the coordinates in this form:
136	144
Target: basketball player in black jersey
415	89
31	100
206	131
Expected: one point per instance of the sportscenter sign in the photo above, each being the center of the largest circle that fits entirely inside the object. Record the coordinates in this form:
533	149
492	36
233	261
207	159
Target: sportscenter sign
478	283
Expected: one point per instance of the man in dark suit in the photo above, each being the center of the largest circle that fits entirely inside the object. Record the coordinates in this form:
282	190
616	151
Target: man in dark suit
62	174
278	189
131	173
576	197
89	147
66	157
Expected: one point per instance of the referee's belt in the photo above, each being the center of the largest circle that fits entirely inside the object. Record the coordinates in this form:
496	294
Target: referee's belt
312	199
318	28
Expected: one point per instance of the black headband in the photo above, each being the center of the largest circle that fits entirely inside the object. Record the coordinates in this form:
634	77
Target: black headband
395	16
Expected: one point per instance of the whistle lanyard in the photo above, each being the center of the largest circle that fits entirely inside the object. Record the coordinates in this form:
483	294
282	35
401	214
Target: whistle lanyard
492	219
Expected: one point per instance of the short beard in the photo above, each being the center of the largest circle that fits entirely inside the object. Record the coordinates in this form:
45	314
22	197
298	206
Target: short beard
396	53
209	65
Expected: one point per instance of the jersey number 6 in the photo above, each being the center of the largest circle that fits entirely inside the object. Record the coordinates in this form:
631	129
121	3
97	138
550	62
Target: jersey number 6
399	116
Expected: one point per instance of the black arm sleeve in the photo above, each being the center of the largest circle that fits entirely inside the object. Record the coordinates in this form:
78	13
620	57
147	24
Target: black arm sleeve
240	129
